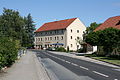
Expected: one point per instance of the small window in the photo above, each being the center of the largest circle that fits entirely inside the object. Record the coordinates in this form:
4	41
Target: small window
118	23
51	32
77	31
50	38
78	38
71	30
57	38
71	45
38	39
61	37
62	31
41	39
71	37
45	38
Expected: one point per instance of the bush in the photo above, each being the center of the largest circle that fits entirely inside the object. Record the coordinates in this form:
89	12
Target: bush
81	50
61	49
8	51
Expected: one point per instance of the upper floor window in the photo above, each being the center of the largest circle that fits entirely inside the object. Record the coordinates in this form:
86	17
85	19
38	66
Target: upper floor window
78	38
71	37
45	38
41	39
38	39
57	38
50	38
71	45
62	31
61	37
77	31
71	30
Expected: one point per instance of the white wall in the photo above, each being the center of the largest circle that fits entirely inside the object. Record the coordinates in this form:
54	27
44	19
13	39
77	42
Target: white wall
76	25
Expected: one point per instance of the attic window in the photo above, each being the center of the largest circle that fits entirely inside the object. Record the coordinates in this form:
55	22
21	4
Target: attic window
118	23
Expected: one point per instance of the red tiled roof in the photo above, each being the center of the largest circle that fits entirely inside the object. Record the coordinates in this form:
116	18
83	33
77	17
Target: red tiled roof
111	22
62	24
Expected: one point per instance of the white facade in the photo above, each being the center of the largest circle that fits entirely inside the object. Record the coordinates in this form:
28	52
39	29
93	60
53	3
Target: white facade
67	36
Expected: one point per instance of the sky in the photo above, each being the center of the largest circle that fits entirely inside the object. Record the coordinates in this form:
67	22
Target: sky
44	11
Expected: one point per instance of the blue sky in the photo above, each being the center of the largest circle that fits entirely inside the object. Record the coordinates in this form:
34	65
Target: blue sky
43	11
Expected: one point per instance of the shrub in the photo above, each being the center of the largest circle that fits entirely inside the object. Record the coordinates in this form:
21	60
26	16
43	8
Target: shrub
81	50
61	49
8	51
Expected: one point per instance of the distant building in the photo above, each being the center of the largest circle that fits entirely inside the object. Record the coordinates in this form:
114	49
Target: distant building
63	33
111	22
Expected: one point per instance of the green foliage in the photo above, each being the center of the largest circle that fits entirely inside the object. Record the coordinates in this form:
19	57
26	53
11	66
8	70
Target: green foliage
62	49
17	27
8	51
29	28
108	38
15	32
81	50
90	29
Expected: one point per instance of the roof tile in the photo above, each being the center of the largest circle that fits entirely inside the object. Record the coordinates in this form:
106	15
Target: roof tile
62	24
111	22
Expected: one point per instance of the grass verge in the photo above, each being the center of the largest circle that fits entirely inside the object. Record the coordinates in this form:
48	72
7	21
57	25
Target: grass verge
106	59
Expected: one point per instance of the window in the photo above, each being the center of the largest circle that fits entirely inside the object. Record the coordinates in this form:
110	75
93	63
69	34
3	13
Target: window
61	37
71	37
71	45
41	39
55	31
78	38
38	39
77	31
50	38
45	38
57	38
118	23
62	31
71	30
51	32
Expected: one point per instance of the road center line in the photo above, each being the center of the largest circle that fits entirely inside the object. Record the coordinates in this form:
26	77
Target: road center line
84	68
100	74
67	62
74	64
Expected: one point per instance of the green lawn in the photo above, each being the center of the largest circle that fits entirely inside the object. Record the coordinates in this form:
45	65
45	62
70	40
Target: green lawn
107	59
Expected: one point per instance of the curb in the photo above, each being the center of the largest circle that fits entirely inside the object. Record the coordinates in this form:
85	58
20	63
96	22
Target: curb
105	61
42	74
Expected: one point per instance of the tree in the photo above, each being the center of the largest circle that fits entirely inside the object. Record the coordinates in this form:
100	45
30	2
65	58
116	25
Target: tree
11	24
108	38
90	29
29	28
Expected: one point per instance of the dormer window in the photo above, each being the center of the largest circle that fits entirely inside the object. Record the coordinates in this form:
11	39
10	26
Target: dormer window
118	23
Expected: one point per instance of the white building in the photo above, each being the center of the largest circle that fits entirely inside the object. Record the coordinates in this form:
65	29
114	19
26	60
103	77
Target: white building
63	33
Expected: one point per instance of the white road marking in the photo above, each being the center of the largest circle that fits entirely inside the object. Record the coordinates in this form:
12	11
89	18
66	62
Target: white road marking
84	68
100	74
74	64
63	60
115	79
67	62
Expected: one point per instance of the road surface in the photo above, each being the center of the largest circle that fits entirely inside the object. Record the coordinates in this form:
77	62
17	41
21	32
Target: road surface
84	69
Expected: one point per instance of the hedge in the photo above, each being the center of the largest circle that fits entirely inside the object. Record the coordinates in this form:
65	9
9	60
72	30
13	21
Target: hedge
8	51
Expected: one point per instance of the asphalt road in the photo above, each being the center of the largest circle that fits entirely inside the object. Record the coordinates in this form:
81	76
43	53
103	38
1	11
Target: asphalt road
83	68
